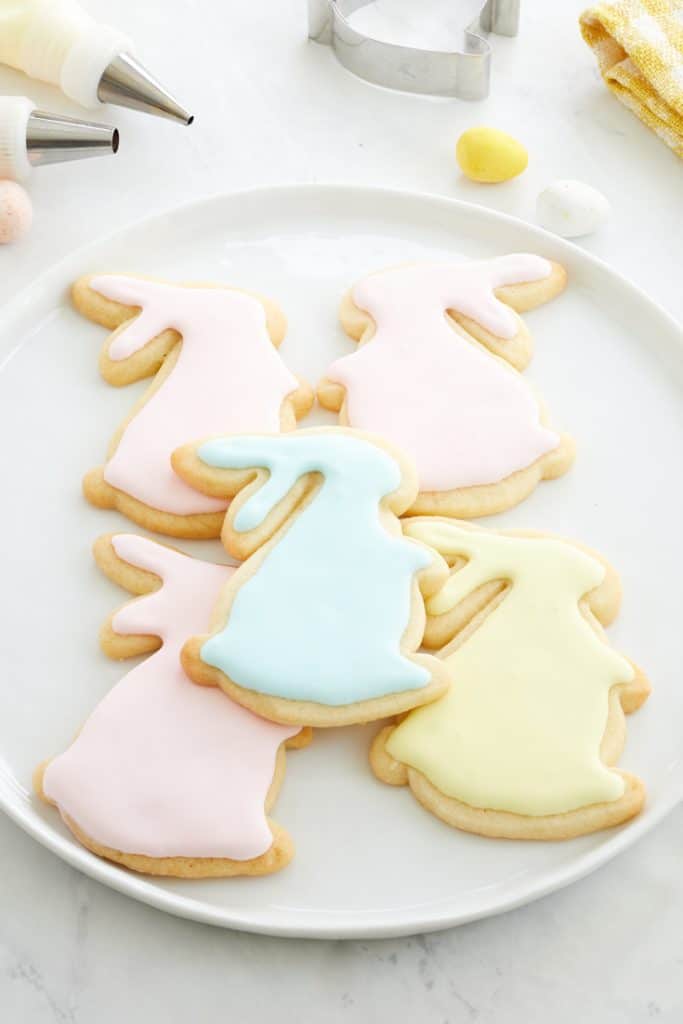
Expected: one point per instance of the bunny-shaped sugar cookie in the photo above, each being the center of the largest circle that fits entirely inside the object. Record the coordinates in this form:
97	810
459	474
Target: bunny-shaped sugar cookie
320	625
437	374
213	351
523	743
165	777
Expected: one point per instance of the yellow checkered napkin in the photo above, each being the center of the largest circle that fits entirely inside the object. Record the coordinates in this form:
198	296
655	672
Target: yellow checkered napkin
639	46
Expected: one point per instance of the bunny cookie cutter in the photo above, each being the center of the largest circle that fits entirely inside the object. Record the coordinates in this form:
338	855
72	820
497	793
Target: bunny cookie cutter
464	74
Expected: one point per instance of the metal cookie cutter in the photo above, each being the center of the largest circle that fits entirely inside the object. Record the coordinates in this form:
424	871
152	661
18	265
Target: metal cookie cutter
464	73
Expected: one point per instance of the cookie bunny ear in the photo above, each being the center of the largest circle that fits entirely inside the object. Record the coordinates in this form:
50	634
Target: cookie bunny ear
271	476
142	577
137	577
162	577
175	593
509	296
142	336
267	490
500	296
146	314
483	298
96	306
525	295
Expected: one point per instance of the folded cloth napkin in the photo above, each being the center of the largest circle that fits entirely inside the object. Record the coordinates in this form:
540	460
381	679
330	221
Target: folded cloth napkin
639	46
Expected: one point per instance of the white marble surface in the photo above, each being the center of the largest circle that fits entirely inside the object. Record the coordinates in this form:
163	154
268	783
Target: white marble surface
271	108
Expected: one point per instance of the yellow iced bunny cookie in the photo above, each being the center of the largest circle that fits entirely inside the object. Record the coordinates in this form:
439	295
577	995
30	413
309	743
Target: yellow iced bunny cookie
522	745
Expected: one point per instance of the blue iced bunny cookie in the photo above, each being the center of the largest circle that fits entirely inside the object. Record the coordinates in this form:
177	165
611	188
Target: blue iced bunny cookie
321	623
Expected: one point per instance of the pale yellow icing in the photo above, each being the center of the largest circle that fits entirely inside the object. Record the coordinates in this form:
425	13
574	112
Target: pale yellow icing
521	725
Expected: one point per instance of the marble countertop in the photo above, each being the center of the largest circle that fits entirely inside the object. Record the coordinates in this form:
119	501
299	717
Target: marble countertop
272	108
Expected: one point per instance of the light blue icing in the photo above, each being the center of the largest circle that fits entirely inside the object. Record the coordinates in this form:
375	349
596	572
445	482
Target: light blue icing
323	616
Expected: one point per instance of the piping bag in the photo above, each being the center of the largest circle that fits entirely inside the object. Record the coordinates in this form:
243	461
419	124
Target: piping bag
57	41
30	137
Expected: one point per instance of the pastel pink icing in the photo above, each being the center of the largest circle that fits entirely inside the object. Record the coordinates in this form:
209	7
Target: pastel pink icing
465	416
164	767
228	378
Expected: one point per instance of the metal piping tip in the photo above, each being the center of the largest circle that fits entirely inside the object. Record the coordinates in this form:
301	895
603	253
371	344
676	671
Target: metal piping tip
52	139
127	83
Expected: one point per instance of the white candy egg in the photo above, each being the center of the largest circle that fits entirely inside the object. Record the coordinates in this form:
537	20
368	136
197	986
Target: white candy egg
571	209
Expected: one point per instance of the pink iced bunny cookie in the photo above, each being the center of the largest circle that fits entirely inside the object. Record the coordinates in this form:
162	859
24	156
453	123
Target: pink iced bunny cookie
436	373
166	777
213	351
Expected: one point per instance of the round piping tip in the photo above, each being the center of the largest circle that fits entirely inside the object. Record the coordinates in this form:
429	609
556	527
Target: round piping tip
54	139
126	83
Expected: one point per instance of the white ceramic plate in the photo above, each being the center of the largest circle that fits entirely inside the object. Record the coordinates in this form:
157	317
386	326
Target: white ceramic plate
369	860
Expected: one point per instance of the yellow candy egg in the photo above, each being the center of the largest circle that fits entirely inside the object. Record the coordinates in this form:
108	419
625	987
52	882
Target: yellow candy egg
487	154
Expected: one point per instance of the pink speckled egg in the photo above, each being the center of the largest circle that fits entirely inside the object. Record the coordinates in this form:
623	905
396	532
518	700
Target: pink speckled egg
16	212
